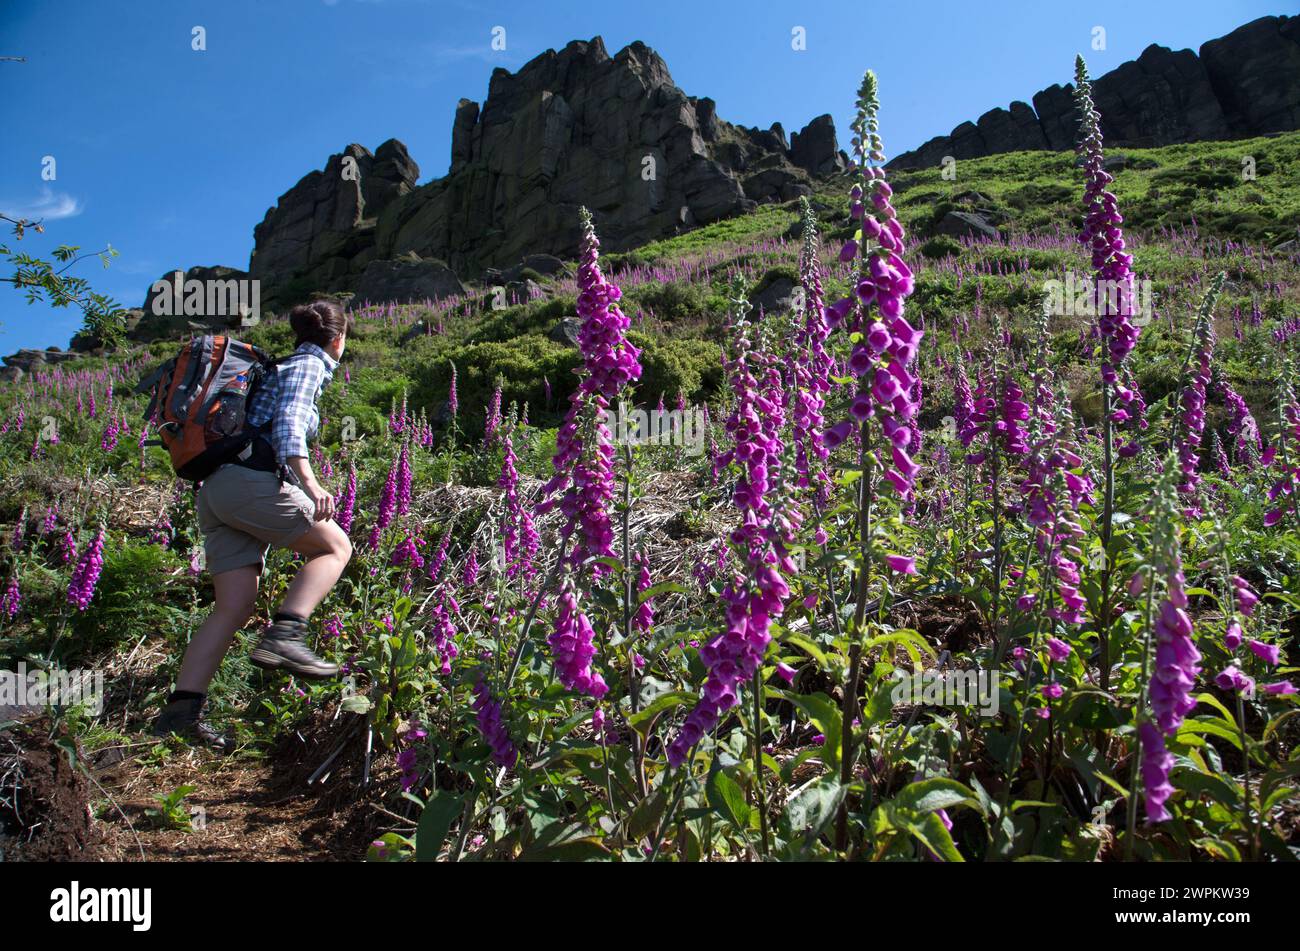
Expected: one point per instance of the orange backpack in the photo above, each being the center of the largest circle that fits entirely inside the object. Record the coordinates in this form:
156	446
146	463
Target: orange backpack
201	398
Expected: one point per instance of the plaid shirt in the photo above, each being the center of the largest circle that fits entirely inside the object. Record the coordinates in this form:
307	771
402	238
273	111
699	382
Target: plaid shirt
287	399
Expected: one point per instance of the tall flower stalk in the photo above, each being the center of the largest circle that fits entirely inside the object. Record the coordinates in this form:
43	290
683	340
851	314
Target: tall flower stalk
809	379
1113	299
1168	674
756	593
884	346
1190	424
583	482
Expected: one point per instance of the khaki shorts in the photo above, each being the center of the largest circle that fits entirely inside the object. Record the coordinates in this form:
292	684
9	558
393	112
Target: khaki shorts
242	512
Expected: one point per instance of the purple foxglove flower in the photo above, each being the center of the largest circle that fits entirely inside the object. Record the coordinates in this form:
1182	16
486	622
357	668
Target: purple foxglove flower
1269	653
643	620
1246	598
1156	766
492	726
1234	678
12	600
345	504
81	588
572	645
901	563
404	480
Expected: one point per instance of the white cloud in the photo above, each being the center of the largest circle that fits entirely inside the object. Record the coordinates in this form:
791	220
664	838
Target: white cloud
50	206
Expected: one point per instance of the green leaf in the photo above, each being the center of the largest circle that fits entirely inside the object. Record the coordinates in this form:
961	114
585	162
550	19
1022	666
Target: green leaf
1213	786
911	641
1219	848
581	849
937	793
880	706
807	646
356	704
642	719
728	799
663	587
1209	727
435	822
1275	723
825	715
932	834
1214	702
813	807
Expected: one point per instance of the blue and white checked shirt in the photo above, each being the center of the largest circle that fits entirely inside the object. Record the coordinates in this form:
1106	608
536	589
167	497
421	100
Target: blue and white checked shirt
287	399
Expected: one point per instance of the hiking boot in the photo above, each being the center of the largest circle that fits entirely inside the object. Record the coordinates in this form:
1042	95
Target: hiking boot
283	647
185	718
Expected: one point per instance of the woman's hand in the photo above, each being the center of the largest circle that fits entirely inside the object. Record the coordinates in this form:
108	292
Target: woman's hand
320	497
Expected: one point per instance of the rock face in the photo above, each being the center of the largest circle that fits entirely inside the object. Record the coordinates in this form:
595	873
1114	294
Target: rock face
1244	84
570	128
321	232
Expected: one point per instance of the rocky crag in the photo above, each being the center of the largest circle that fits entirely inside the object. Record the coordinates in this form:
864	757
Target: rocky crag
574	127
1241	85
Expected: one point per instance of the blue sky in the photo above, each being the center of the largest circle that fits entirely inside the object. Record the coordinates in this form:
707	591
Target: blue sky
173	155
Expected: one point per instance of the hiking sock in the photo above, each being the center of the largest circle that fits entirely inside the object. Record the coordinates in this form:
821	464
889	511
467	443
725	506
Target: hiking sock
184	695
286	616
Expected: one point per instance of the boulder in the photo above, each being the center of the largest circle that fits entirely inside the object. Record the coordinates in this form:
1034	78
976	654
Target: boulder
406	281
545	265
962	224
774	297
566	330
776	184
25	359
11	374
815	148
417	330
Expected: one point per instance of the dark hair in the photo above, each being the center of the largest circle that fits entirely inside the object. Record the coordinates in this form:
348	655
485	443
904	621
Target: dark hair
319	322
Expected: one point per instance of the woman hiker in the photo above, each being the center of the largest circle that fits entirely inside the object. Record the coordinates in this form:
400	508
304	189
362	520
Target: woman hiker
246	507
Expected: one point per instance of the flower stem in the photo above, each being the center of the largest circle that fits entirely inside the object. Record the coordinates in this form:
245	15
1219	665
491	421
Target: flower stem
759	794
1134	773
848	706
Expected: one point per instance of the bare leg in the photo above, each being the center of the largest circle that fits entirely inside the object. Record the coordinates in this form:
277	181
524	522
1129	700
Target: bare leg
236	596
327	550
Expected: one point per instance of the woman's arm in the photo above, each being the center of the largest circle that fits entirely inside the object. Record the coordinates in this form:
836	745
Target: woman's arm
298	383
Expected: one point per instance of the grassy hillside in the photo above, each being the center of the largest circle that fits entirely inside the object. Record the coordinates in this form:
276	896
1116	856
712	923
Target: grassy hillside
1189	214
